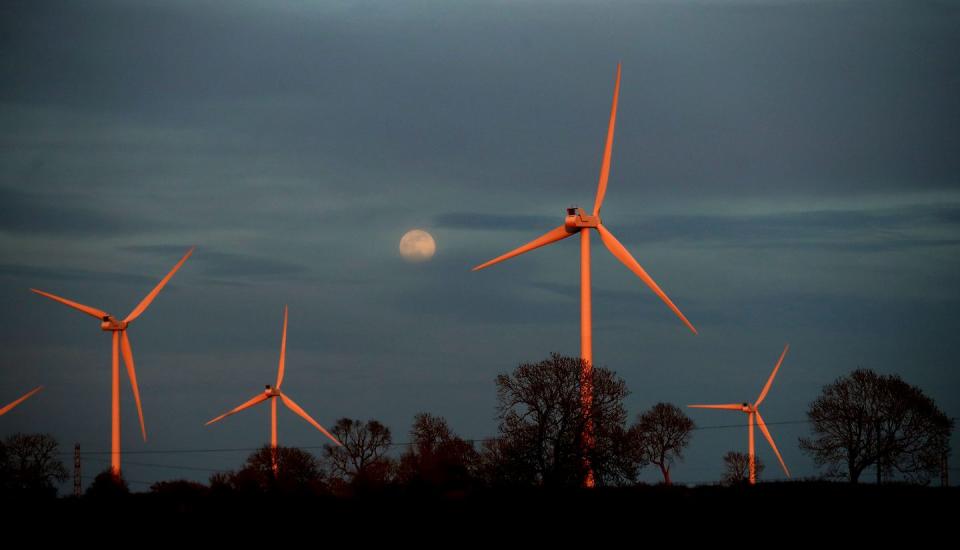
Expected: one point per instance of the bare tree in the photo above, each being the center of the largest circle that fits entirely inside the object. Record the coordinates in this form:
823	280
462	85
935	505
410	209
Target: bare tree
868	420
362	460
737	467
660	435
297	472
542	425
30	462
437	456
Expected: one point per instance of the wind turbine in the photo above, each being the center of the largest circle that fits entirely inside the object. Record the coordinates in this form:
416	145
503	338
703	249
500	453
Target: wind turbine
753	413
577	221
7	408
121	343
272	393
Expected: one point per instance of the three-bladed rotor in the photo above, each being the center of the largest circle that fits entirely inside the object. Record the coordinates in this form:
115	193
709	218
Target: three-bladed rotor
274	392
577	220
121	345
753	414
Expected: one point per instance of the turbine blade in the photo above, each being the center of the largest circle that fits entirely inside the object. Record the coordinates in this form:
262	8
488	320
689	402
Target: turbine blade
621	253
283	350
257	399
142	306
296	408
552	236
730	407
132	375
766	388
608	148
766	433
7	408
92	311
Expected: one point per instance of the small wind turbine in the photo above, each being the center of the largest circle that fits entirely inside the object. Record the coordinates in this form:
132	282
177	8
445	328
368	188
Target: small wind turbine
272	393
121	343
577	221
752	412
7	408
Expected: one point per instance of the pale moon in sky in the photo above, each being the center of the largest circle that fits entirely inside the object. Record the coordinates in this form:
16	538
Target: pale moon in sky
417	246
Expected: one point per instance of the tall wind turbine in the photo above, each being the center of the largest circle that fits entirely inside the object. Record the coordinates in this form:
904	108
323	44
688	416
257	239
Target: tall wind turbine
753	415
7	408
121	343
577	221
272	393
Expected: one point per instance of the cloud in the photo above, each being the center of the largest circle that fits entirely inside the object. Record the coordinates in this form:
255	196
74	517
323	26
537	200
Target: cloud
226	266
910	226
29	213
40	273
494	222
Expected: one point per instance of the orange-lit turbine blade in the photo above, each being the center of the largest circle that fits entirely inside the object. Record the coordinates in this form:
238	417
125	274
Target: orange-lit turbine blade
296	408
766	433
259	398
553	236
283	349
142	306
132	375
7	408
617	249
608	148
766	388
730	407
92	311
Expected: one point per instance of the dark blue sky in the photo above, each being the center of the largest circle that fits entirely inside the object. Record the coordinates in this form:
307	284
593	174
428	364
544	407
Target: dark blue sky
786	170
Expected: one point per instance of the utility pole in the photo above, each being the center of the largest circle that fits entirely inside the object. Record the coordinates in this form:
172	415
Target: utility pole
77	485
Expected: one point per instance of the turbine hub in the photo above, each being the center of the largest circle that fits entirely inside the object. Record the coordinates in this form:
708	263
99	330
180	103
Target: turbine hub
576	220
271	391
109	324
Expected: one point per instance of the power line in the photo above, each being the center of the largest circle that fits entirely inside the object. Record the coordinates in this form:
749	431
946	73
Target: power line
395	444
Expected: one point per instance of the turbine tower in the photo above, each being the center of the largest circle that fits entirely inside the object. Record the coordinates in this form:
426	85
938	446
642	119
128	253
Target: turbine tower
272	393
753	416
578	221
9	407
121	343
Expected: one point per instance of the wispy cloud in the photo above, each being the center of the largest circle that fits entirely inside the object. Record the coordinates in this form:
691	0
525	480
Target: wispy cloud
910	226
226	266
24	212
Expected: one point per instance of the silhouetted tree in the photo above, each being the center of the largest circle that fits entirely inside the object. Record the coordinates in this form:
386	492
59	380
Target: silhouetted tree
362	461
660	435
179	489
437	457
108	485
297	472
541	425
868	420
737	467
30	463
501	464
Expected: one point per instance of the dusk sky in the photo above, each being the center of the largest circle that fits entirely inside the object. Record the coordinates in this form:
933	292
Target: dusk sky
787	171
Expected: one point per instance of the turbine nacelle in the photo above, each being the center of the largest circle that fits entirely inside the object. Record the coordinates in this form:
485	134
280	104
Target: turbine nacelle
270	391
109	324
576	220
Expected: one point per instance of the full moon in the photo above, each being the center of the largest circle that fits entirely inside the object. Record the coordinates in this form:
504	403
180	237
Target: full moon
417	246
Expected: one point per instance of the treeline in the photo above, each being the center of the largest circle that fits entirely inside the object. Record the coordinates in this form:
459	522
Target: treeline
860	421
